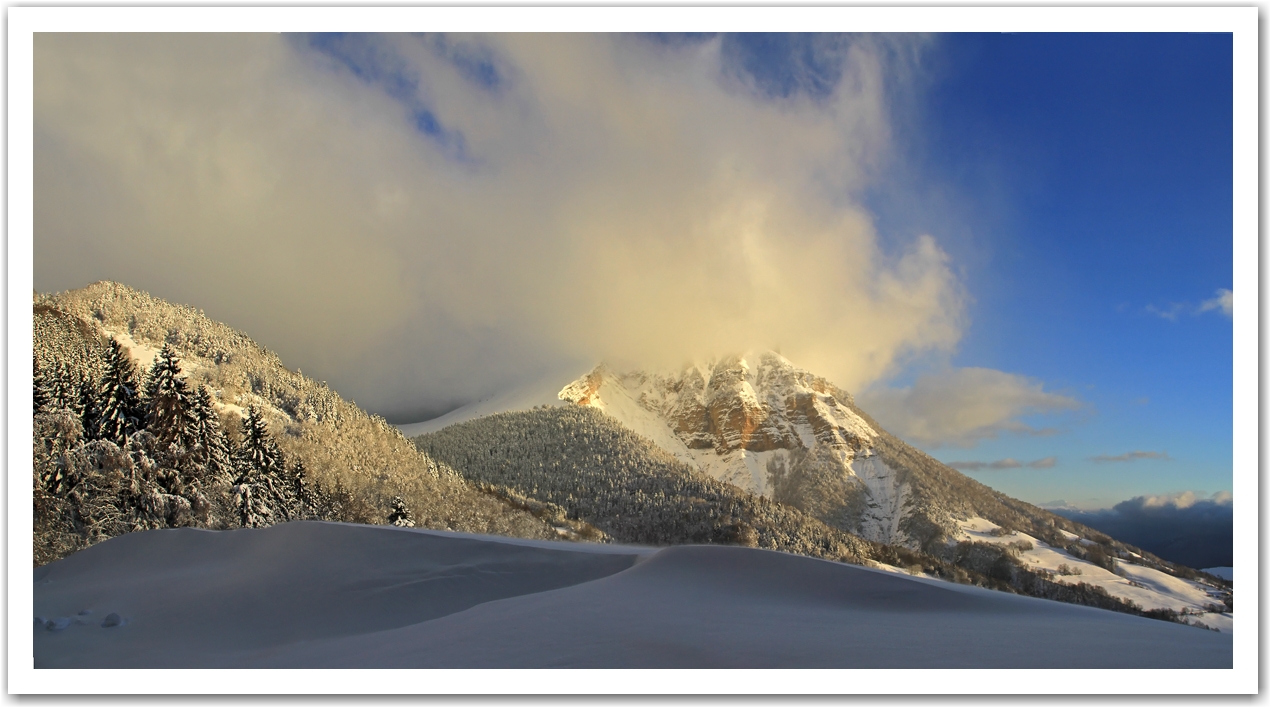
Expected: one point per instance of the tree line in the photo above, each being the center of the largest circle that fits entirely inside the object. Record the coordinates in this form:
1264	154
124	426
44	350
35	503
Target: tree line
132	451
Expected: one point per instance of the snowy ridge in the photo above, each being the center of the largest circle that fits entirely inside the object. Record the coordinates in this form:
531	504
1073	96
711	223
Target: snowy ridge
542	391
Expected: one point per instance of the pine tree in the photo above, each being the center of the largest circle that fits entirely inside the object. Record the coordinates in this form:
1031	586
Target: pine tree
400	515
305	493
210	447
87	405
260	494
40	392
119	411
63	393
168	402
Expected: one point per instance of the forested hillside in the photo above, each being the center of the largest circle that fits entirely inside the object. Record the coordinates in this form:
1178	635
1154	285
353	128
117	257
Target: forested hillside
149	414
601	473
610	477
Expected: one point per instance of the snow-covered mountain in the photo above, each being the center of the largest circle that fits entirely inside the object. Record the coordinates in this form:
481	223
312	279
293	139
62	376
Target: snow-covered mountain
761	423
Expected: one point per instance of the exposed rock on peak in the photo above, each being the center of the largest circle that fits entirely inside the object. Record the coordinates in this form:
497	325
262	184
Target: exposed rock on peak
761	423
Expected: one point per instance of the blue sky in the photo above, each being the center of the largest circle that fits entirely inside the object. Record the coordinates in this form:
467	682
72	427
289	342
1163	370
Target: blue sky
1087	183
1008	246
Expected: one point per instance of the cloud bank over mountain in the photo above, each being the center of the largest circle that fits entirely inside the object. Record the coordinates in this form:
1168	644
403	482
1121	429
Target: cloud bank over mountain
425	220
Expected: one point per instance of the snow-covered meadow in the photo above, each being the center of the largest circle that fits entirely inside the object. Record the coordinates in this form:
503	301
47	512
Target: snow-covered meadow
310	595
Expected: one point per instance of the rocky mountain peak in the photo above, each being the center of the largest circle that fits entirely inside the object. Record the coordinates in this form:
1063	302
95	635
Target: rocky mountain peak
756	402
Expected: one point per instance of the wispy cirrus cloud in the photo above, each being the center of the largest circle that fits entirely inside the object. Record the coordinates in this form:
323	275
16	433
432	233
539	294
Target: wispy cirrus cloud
1129	456
1003	464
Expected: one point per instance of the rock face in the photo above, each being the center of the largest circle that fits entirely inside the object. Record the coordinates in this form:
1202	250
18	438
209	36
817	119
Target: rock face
765	425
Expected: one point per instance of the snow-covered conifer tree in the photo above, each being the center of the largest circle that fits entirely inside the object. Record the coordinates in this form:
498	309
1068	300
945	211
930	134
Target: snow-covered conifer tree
305	493
63	391
87	405
40	392
168	402
210	446
400	515
260	493
118	408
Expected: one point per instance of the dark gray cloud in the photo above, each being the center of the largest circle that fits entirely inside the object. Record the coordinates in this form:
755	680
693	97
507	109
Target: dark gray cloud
1129	456
1184	527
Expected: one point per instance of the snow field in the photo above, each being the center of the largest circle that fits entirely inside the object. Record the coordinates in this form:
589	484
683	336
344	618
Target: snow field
329	595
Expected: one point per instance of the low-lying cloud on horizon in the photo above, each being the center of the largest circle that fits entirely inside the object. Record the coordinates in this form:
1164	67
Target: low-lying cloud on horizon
1188	527
424	220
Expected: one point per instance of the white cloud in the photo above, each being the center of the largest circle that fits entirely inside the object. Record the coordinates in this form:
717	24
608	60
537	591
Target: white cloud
960	406
1178	501
451	217
1224	302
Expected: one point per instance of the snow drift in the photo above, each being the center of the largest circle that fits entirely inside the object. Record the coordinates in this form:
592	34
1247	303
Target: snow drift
312	595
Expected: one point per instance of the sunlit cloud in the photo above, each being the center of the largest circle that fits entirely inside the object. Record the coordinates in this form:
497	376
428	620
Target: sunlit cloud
423	221
958	407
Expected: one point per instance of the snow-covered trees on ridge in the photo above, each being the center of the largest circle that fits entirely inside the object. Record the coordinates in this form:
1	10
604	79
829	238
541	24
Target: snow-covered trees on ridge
125	461
339	462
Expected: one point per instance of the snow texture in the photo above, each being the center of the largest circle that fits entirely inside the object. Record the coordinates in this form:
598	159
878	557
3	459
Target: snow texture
314	595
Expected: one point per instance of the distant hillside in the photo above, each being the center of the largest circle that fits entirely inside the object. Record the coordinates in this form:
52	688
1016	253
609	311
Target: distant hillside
612	478
762	424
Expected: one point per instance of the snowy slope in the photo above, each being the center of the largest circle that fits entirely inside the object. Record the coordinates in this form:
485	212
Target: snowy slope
310	595
1148	587
541	391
